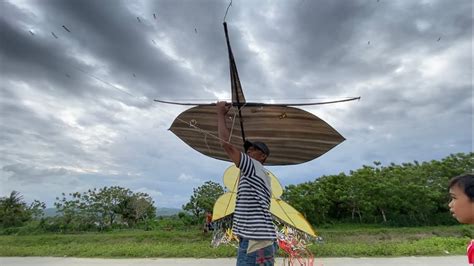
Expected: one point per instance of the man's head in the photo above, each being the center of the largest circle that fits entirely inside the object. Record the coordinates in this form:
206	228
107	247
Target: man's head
257	150
461	190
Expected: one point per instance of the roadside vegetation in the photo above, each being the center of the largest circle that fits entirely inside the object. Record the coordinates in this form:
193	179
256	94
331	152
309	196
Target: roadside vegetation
338	241
407	194
394	210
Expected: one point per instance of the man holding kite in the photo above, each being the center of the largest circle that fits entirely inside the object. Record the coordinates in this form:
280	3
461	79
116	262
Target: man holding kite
252	221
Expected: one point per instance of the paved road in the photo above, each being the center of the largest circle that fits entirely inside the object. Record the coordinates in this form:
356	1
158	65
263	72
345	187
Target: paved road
401	261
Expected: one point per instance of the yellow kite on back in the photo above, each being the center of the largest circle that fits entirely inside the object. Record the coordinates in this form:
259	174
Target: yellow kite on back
225	204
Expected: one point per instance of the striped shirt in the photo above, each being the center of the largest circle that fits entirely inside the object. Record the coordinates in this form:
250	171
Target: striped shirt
252	218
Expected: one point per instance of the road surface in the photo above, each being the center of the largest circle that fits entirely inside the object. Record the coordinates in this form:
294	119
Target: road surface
399	261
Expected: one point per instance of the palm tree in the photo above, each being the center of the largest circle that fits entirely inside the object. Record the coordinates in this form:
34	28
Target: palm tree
13	210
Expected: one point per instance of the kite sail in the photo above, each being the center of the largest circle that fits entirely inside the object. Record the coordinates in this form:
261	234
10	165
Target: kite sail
293	135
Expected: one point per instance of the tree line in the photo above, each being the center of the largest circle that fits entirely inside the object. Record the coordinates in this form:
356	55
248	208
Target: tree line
407	194
96	209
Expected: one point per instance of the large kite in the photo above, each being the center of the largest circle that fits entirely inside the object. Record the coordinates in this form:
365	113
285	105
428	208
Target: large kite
293	135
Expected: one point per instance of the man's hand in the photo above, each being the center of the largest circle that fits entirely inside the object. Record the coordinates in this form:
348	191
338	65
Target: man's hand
233	153
222	107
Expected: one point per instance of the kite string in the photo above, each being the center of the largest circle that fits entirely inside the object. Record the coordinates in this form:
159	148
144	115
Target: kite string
227	9
233	122
105	82
232	127
206	133
207	144
191	123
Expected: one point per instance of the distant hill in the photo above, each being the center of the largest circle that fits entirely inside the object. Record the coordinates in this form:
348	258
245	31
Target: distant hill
167	211
51	212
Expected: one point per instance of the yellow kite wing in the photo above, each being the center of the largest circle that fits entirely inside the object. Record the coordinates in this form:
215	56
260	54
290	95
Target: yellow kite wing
291	216
231	179
277	189
225	205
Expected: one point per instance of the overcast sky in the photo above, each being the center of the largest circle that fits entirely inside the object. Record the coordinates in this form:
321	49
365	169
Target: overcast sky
77	108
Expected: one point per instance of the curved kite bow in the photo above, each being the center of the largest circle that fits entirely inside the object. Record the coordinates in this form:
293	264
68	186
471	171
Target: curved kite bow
293	135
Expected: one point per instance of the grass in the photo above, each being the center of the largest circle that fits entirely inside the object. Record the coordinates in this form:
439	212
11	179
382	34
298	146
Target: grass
114	244
339	241
379	241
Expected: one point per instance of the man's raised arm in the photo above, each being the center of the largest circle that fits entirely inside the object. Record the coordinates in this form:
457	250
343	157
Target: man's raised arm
231	150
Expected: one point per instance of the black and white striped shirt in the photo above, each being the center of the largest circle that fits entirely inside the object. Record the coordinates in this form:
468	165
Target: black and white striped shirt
252	217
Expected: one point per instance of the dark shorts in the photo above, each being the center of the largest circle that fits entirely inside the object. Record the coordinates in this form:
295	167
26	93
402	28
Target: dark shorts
262	257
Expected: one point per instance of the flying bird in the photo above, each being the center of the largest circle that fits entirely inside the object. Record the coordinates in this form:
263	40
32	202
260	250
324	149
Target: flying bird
439	39
139	19
66	29
195	30
54	35
153	42
31	32
154	15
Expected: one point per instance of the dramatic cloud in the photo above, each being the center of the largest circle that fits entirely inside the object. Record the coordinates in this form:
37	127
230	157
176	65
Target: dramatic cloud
78	79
